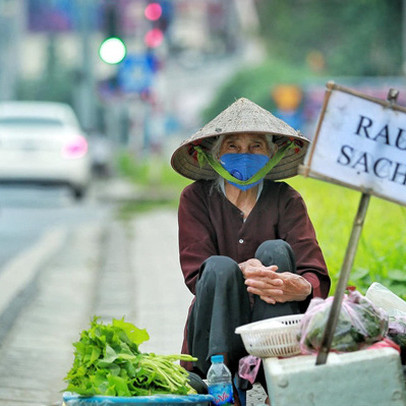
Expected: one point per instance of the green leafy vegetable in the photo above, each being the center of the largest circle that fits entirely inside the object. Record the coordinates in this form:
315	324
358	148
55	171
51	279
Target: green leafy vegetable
108	362
359	324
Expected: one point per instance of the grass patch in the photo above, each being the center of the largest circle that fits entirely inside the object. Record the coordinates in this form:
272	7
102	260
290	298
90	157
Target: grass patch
158	184
128	210
382	246
151	174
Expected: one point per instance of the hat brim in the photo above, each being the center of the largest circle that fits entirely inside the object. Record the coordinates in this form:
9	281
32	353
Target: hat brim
184	160
242	117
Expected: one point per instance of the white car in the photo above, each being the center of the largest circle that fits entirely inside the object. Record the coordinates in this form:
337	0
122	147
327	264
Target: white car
42	143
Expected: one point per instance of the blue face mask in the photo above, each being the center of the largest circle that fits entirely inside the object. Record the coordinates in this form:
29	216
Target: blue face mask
243	167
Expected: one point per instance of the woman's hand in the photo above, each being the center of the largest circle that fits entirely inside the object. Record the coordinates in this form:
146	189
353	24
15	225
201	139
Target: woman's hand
274	287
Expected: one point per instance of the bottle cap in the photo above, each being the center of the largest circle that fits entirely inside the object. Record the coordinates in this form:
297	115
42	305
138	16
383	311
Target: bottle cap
217	358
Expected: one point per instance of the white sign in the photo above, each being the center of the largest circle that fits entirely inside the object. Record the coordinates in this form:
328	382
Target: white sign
360	143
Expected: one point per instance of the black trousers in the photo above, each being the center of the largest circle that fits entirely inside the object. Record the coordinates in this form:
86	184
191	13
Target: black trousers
223	303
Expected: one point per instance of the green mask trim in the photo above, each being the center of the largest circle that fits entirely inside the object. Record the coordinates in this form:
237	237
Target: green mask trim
202	157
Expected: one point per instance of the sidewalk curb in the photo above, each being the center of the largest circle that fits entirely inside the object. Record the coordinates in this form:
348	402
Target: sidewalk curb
18	277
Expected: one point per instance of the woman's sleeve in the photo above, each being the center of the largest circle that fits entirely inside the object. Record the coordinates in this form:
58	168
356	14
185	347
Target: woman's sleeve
197	240
296	228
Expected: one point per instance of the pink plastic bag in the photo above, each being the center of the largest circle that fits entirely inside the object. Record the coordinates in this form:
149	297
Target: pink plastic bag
360	324
248	368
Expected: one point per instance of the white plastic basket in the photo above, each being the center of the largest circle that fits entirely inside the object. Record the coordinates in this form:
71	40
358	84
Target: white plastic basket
275	337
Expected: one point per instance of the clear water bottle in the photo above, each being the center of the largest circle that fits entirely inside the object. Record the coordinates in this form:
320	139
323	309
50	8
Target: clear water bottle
219	381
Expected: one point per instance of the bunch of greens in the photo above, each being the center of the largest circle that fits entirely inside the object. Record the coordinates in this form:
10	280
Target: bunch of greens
359	324
107	362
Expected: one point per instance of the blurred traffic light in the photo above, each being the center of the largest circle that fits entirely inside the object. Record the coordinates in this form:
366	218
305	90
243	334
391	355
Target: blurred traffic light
112	49
153	11
159	13
153	38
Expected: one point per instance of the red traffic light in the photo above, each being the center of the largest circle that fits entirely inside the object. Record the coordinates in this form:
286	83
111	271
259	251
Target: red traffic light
154	37
153	11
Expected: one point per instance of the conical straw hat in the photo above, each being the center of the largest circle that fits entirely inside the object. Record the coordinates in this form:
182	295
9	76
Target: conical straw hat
243	116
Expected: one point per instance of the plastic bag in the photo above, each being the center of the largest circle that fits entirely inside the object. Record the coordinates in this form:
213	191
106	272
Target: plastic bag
385	343
397	329
248	368
359	324
381	296
396	309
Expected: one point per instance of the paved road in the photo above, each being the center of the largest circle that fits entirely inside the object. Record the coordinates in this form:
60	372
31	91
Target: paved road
37	352
27	213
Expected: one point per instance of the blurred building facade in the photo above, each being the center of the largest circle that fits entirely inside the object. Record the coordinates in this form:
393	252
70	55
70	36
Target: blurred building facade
12	27
33	31
49	51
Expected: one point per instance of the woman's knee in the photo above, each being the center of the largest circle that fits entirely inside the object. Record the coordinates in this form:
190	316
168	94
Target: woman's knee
219	266
277	252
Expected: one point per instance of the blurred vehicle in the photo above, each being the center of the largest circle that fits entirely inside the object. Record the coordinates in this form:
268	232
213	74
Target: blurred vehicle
42	143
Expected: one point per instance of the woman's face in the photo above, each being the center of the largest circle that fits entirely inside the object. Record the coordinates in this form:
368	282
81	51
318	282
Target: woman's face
244	144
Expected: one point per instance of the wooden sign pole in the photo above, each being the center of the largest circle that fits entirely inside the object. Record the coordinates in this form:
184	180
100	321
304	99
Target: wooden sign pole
343	280
346	269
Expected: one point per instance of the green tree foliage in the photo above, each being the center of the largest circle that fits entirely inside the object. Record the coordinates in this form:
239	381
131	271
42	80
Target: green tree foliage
355	37
316	40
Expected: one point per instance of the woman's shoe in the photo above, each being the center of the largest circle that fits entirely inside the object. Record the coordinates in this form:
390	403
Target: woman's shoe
197	383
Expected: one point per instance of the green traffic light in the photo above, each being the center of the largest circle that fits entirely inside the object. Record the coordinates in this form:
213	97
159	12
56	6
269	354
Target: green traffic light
112	50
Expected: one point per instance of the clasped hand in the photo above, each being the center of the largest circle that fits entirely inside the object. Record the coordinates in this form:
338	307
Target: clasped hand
271	286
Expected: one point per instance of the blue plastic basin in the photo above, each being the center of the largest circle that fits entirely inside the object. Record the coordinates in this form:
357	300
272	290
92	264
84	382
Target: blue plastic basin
72	399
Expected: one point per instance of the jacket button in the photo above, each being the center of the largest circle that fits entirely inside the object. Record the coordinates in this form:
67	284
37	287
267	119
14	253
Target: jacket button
240	240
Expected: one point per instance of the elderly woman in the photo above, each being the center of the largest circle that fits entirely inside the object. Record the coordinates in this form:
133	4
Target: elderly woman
248	250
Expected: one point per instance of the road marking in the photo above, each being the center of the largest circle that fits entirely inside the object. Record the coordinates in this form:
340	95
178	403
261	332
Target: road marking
21	270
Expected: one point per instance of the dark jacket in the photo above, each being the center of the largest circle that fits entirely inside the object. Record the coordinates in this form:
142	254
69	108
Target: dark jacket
209	224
